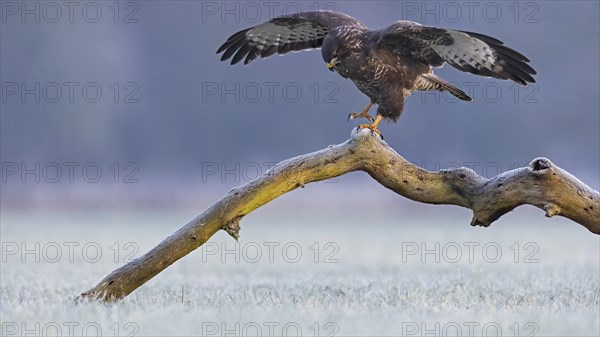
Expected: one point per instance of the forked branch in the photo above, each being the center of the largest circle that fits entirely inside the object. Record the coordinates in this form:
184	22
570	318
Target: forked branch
541	184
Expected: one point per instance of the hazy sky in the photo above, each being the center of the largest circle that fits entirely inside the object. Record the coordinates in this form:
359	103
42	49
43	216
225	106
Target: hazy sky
139	82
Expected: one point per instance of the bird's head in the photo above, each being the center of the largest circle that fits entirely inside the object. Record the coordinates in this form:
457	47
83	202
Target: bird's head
333	62
333	52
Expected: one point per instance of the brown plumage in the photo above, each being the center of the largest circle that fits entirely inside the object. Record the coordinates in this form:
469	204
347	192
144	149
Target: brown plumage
387	65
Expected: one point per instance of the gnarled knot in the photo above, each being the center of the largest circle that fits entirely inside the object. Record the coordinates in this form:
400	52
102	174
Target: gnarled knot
540	164
233	228
551	209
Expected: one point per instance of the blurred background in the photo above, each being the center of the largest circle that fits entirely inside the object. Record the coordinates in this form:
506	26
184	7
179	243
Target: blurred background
126	104
119	123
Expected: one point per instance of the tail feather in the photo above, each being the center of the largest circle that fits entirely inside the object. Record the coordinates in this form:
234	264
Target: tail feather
432	82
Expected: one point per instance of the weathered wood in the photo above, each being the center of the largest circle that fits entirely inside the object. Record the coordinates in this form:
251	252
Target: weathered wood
541	184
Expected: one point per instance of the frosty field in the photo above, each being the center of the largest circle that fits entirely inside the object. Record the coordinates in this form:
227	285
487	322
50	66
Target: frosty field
338	274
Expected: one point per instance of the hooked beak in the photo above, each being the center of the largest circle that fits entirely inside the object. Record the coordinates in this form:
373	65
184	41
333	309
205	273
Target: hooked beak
332	64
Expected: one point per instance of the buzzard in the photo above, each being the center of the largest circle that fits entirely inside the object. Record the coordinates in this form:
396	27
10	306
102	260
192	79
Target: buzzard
387	65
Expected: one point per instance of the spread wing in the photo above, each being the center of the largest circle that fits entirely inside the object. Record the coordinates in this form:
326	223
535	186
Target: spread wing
300	31
470	52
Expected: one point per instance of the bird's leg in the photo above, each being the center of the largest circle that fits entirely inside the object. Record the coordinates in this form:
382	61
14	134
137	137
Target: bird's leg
362	114
373	127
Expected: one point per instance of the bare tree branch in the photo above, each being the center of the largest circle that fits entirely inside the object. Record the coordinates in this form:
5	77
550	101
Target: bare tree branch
541	184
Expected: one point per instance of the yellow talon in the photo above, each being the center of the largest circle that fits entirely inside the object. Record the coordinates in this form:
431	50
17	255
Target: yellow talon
373	127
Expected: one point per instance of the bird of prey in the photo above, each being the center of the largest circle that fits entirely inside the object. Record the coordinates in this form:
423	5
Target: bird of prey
387	65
